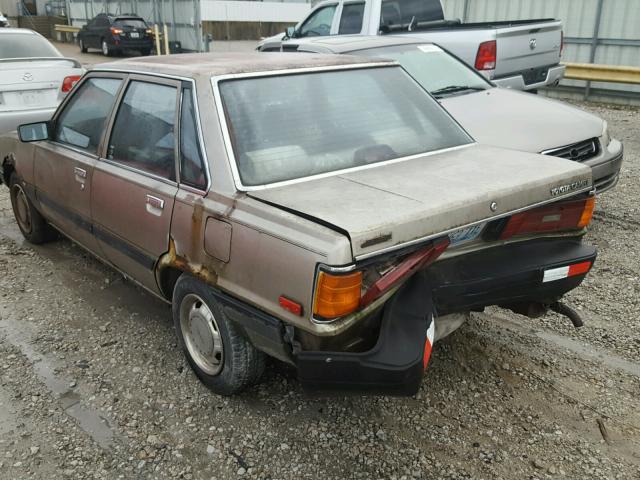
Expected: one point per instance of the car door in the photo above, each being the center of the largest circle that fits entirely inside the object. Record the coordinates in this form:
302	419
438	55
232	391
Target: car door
134	185
63	165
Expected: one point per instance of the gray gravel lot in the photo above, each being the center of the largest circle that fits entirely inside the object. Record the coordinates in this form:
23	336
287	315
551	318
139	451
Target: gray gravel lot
92	384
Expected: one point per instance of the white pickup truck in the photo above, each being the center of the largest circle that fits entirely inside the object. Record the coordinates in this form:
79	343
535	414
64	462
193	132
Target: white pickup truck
519	54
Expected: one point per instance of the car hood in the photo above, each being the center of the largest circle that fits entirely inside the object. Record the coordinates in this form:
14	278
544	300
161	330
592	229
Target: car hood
391	205
522	121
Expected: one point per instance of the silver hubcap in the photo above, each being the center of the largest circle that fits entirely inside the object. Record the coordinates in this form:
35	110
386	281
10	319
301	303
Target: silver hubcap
201	334
105	48
23	215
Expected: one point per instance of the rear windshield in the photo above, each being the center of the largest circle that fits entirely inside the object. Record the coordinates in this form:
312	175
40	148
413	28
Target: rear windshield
432	67
130	22
295	126
25	45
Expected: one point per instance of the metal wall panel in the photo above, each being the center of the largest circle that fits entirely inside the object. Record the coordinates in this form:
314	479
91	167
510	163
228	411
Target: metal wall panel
619	23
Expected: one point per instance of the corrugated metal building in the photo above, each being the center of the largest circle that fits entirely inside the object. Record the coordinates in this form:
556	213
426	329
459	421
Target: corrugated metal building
596	31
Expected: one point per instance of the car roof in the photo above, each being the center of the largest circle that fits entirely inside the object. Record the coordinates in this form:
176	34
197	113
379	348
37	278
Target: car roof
18	30
352	43
214	64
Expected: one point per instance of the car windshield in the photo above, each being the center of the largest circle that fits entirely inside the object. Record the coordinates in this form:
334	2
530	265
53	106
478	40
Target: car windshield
437	71
130	22
25	45
294	126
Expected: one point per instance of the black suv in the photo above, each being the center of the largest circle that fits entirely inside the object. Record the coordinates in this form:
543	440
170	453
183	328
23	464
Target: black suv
113	34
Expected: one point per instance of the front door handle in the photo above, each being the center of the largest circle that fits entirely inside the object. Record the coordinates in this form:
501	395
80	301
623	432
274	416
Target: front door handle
81	173
154	205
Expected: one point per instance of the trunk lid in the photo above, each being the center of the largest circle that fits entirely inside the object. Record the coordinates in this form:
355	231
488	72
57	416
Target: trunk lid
390	206
34	83
526	47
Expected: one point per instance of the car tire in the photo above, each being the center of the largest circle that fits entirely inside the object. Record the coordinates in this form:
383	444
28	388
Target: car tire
217	351
31	223
106	50
83	48
145	53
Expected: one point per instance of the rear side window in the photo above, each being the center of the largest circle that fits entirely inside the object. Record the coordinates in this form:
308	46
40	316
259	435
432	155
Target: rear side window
26	45
83	119
143	132
191	164
351	19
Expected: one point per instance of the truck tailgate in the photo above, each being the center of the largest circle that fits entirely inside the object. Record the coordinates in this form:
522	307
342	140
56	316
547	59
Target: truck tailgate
525	47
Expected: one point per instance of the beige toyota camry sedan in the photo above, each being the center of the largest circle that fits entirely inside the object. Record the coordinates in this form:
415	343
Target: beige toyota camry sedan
322	210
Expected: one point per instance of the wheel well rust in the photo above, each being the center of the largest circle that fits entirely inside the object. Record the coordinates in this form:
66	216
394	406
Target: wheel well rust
171	266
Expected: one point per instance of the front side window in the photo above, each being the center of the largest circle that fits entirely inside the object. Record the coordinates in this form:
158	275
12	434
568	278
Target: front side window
319	23
433	68
191	162
143	132
26	45
351	19
83	119
294	126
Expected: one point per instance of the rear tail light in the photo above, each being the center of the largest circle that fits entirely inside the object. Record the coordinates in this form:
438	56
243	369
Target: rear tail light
116	31
69	82
486	57
570	215
338	294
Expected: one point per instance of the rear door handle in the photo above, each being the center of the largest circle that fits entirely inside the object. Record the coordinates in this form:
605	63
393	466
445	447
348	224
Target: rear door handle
154	205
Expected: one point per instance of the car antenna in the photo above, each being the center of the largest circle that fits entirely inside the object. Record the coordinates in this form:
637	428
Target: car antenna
411	24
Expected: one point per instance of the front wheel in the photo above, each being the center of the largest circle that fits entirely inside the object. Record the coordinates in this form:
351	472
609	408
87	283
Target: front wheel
222	358
30	222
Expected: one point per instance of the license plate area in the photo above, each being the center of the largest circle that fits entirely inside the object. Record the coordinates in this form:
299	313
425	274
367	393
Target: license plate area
466	234
134	35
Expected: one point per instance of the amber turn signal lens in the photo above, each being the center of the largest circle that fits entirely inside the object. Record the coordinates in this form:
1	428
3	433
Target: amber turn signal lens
337	295
587	213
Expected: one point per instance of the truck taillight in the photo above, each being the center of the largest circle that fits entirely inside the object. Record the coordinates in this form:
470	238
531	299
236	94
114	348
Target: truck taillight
569	215
69	82
486	57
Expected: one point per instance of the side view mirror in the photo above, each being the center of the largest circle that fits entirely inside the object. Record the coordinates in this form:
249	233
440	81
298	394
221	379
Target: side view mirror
291	31
33	132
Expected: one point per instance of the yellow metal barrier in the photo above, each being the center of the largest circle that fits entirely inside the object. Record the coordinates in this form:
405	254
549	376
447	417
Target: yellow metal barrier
602	73
66	28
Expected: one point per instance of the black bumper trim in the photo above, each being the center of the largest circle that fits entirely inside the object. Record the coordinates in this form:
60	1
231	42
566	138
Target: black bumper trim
506	275
395	365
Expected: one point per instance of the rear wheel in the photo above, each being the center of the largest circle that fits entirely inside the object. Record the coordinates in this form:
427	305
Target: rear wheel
106	50
31	223
145	52
83	47
222	358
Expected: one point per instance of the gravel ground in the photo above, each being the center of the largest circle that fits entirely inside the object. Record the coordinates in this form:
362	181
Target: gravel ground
92	384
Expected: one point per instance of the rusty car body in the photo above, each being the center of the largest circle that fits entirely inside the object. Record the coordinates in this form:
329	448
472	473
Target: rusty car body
331	243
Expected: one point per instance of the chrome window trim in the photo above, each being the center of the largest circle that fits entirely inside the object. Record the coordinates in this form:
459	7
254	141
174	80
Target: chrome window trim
203	150
215	82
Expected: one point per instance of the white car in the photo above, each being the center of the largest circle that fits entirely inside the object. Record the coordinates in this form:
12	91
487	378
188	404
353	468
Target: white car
35	77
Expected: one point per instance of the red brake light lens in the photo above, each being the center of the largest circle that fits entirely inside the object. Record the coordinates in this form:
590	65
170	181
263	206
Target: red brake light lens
570	215
69	82
486	57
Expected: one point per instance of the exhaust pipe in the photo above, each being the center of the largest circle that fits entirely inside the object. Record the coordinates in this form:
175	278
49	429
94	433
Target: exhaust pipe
569	312
538	309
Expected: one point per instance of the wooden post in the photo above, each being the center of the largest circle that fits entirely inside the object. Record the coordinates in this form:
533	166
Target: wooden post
156	34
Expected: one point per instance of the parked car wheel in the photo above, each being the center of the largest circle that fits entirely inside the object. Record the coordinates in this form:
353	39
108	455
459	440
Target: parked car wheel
83	48
106	51
222	358
145	53
32	225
